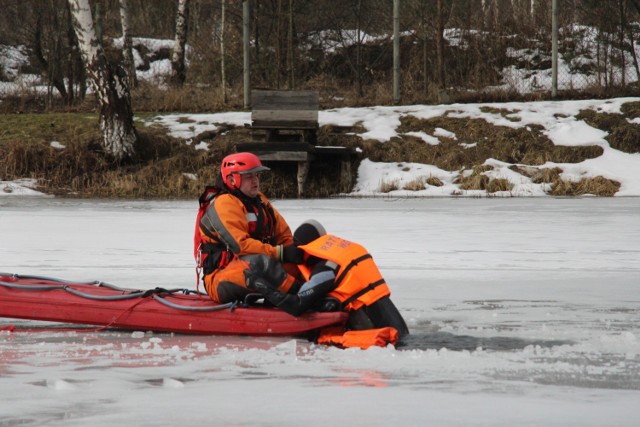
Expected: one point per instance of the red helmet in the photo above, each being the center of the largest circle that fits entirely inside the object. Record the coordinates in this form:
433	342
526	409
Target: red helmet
240	163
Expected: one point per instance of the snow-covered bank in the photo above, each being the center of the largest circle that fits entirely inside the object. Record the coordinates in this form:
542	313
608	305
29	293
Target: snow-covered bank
557	118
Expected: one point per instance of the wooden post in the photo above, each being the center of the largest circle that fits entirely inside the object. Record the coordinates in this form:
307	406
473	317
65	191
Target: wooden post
554	49
396	51
345	175
303	171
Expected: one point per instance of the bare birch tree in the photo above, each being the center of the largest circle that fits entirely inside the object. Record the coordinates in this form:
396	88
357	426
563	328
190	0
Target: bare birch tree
109	84
178	73
127	44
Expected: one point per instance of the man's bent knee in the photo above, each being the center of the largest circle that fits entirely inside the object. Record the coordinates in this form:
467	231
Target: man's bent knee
271	269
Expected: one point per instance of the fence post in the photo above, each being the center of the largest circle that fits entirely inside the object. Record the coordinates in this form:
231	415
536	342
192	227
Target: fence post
396	51
554	48
246	64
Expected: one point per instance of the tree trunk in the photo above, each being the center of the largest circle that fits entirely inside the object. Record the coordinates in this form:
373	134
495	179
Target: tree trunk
71	41
49	66
108	83
633	43
425	52
178	69
623	24
127	44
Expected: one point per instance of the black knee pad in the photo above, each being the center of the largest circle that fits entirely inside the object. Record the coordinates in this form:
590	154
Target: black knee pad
230	292
267	267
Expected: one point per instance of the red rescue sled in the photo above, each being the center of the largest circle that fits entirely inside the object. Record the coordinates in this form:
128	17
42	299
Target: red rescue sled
163	310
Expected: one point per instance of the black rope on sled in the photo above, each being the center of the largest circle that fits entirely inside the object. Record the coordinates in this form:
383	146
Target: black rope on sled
96	283
217	307
32	287
71	291
133	295
130	294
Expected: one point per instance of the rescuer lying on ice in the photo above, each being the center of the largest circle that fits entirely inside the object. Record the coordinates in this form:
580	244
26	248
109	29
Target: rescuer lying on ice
245	246
340	275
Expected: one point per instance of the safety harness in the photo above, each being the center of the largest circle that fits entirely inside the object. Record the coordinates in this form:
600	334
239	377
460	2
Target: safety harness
212	256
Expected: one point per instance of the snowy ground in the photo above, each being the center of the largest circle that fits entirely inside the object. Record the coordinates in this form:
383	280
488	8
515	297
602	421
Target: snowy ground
558	119
524	311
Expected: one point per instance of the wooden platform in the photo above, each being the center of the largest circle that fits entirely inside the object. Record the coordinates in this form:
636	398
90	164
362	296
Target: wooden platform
284	127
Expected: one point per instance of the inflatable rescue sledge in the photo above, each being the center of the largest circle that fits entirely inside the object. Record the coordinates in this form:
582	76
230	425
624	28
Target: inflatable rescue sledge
163	310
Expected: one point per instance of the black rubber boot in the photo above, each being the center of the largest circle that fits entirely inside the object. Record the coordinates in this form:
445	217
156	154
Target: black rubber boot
292	304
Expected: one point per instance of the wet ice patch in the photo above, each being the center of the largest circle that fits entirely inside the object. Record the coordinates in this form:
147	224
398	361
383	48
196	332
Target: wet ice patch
20	187
60	385
171	383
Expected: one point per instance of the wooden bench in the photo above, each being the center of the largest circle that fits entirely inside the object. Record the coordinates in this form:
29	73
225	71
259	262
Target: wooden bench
284	127
285	109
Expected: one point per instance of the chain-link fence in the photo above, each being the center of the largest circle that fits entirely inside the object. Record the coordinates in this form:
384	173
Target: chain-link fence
449	50
596	48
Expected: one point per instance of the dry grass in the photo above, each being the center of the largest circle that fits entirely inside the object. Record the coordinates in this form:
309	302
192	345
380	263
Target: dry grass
597	186
473	182
520	145
417	184
546	175
623	135
476	180
389	186
499	184
507	114
83	169
434	181
195	99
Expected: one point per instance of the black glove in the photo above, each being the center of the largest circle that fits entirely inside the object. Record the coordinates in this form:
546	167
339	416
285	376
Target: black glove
291	253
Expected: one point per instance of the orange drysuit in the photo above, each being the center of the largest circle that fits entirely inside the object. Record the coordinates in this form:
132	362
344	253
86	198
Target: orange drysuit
242	233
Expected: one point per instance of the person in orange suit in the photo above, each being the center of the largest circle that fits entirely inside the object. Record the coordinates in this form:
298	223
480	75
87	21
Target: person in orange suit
238	229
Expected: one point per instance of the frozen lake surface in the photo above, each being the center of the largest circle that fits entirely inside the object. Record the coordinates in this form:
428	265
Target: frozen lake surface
523	311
